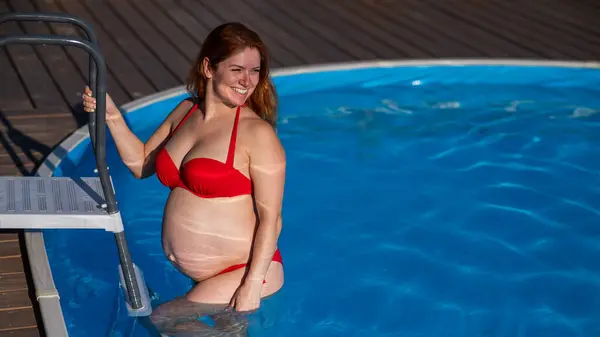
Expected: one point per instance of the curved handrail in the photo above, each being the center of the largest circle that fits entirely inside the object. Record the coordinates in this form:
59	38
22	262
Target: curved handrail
54	17
111	205
64	18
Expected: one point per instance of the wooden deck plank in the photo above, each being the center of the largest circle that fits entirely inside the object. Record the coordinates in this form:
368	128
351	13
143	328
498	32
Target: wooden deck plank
41	88
8	235
11	122
170	31
14	299
329	52
12	92
280	55
574	25
51	121
197	16
27	141
20	164
79	57
63	73
9	249
18	316
567	33
18	169
15	162
335	37
23	332
136	50
402	47
355	34
574	44
17	319
223	13
125	71
433	39
175	62
587	11
515	29
181	15
32	114
284	39
493	45
11	265
13	282
470	12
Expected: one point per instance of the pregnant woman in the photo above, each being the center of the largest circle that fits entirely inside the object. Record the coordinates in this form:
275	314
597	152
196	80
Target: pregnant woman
219	154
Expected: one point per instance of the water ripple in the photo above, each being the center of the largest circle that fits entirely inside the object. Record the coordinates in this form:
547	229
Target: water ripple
446	211
517	166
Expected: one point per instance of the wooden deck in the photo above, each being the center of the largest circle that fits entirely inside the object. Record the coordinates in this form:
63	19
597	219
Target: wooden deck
150	44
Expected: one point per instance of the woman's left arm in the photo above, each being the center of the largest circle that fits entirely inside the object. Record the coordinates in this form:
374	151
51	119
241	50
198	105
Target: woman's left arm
267	171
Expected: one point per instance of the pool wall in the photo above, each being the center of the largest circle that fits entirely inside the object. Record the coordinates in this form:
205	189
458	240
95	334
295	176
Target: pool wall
302	80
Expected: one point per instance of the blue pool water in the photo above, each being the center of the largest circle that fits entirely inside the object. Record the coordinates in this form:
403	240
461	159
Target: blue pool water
419	202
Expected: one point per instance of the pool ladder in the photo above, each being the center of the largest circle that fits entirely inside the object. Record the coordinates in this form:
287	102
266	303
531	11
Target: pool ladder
36	202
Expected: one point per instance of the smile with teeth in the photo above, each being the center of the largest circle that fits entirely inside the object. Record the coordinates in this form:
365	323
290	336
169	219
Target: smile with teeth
240	91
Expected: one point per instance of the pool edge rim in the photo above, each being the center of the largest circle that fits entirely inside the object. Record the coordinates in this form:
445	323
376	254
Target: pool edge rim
355	65
45	289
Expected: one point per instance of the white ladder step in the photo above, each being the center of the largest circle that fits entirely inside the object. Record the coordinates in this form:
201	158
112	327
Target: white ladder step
55	202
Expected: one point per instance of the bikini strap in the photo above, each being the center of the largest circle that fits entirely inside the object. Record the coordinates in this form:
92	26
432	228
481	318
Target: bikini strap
231	153
184	118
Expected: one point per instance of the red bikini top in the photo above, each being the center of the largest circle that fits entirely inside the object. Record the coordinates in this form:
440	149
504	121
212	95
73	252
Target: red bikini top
204	177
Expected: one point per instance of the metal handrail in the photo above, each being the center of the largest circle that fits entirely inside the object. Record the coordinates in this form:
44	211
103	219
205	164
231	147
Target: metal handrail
111	205
64	18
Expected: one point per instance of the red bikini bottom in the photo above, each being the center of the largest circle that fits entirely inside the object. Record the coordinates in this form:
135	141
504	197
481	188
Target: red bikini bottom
276	257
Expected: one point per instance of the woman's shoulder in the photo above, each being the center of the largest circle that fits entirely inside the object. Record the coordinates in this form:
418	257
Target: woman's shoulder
187	102
185	105
181	108
254	124
258	132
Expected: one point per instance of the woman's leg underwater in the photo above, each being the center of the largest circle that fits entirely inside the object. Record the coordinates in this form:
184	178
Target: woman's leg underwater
181	317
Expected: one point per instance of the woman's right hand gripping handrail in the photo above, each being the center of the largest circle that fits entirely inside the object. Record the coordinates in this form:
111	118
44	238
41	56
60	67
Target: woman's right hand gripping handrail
139	157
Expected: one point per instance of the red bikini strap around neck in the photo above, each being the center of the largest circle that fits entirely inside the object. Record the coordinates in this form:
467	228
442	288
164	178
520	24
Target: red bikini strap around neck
231	153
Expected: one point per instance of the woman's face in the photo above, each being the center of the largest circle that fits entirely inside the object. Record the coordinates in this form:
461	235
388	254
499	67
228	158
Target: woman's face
236	77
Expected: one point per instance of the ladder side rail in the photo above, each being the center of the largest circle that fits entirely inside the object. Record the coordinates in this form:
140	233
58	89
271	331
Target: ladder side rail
88	31
130	278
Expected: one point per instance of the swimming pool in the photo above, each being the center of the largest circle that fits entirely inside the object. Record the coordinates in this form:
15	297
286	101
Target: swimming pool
421	200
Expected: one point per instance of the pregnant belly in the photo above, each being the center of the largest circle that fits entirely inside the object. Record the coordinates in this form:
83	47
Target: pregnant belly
201	237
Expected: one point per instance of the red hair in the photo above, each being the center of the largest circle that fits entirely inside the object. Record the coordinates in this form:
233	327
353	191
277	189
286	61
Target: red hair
224	41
